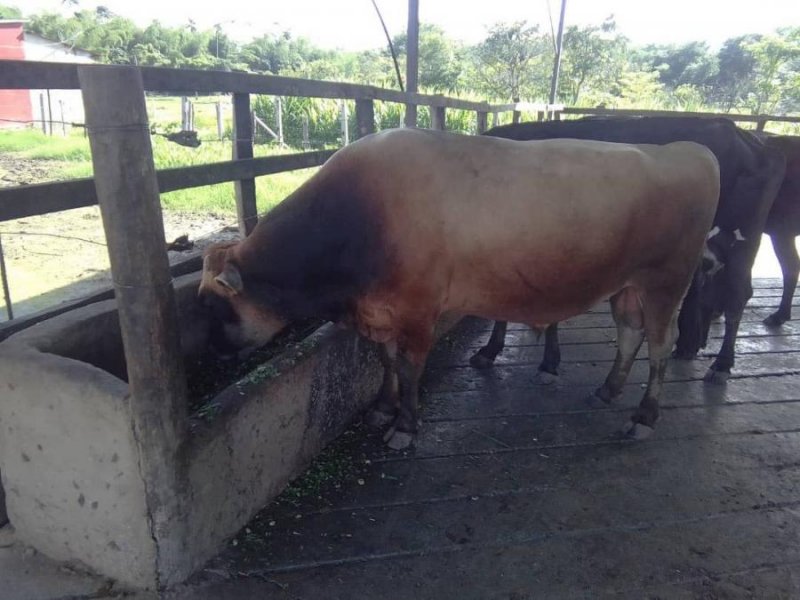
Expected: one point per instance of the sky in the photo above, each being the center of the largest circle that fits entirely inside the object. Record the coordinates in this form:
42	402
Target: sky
353	24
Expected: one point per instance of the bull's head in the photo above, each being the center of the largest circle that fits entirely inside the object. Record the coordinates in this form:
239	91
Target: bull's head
239	321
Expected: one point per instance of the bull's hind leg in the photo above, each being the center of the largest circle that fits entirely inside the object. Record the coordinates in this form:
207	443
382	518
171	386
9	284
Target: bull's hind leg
484	358
385	408
626	309
660	324
738	291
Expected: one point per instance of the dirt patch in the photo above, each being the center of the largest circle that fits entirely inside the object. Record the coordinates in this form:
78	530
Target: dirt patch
63	256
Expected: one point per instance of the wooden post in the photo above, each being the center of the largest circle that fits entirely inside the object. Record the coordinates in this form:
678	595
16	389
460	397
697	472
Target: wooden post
63	123
279	118
483	121
760	124
412	60
49	113
41	110
184	117
438	117
127	191
540	115
345	128
243	148
495	119
4	279
191	115
220	129
306	142
365	117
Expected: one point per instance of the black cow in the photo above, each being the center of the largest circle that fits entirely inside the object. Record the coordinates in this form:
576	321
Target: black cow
750	175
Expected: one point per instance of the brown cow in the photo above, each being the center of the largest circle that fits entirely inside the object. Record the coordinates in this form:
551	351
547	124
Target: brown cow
403	226
783	224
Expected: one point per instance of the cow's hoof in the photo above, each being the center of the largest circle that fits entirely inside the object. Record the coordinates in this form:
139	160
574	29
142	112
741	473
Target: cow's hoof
636	431
479	361
594	400
545	378
377	418
775	320
399	440
716	377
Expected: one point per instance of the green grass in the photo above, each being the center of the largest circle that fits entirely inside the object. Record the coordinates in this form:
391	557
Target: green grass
75	162
35	145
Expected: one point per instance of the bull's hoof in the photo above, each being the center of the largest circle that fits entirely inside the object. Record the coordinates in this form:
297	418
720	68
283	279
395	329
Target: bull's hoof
595	400
377	418
479	361
636	431
545	378
716	377
398	440
775	320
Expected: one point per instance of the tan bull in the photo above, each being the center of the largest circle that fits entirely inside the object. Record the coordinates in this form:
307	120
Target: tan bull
403	226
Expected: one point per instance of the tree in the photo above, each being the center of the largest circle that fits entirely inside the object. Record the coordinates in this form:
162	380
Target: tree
776	61
736	74
592	58
10	12
440	58
509	62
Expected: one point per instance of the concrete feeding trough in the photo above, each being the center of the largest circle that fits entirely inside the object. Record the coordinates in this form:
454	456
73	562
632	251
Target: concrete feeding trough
71	465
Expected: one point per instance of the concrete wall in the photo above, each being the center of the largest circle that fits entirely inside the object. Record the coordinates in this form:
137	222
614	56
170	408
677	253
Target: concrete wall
69	461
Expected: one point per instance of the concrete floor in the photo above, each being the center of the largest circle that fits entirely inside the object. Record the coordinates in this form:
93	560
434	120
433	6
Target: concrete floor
517	490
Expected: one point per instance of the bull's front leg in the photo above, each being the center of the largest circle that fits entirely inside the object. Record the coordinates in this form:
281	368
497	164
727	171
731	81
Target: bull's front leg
412	352
786	253
385	409
485	357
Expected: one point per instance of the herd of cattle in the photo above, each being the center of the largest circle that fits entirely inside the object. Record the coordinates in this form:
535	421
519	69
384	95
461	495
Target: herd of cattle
531	223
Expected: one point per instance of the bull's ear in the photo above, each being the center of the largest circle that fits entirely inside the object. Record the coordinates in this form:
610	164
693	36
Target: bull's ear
230	279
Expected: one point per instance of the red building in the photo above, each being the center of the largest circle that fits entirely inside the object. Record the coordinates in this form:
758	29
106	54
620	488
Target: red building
15	105
20	108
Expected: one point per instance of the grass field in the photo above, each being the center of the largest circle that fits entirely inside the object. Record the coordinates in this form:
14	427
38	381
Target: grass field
71	159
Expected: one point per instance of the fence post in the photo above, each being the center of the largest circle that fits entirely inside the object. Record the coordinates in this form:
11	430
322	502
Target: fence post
243	148
345	128
306	142
365	117
483	120
4	279
127	191
220	130
279	118
63	123
438	117
41	110
761	123
495	118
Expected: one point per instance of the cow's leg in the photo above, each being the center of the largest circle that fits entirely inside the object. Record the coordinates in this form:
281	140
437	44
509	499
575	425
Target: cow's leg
737	293
627	312
786	252
690	322
660	317
548	368
385	408
410	362
484	358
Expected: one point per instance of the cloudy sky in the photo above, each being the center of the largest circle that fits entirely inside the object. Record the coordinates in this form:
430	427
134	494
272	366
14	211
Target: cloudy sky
353	25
